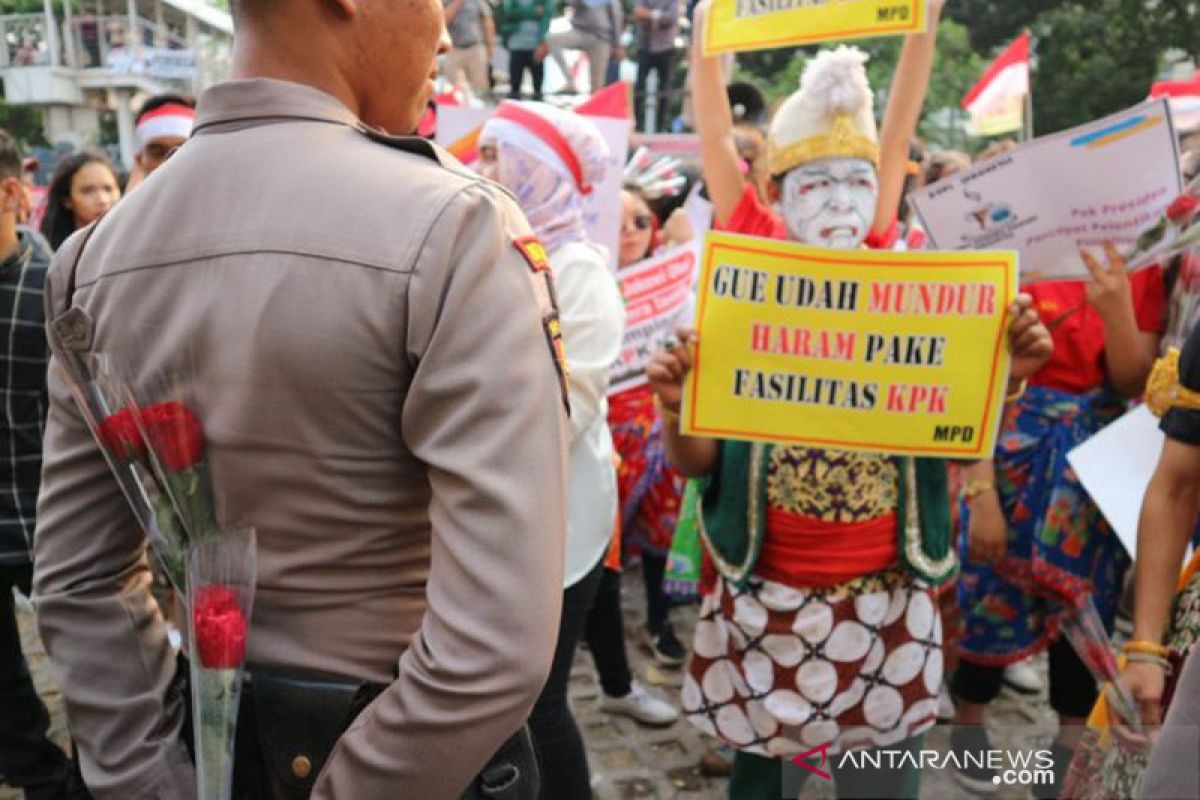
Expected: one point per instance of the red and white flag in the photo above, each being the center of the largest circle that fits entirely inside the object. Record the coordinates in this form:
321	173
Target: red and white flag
997	103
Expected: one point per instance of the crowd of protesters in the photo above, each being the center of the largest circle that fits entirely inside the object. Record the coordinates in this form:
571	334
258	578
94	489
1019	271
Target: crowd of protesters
848	600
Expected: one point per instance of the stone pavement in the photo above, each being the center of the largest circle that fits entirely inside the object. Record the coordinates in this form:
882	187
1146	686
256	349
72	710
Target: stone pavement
630	761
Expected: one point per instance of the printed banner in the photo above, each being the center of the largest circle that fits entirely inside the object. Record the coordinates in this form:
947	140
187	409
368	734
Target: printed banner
658	300
1051	196
735	25
458	131
879	351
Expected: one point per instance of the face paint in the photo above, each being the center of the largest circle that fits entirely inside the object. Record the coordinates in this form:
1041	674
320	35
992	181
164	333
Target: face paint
830	202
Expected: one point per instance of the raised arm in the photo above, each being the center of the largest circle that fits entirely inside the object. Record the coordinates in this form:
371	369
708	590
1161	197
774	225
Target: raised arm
905	101
714	123
484	412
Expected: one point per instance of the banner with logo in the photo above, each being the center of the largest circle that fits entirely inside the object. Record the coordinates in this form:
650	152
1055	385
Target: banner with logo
658	300
735	25
1104	181
877	351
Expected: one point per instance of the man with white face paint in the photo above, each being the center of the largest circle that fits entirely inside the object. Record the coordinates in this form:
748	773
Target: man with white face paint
821	626
830	202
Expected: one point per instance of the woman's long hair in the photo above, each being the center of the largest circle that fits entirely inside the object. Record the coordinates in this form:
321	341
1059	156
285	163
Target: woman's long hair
59	222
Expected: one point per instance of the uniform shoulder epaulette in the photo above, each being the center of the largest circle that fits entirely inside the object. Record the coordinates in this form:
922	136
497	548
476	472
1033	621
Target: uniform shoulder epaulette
420	146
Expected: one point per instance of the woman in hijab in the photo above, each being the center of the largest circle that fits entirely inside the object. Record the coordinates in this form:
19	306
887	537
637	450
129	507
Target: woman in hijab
550	159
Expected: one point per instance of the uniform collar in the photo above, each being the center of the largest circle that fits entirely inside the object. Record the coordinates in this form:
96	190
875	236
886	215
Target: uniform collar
259	101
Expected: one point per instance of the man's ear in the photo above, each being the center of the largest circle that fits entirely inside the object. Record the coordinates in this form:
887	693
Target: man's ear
347	8
14	196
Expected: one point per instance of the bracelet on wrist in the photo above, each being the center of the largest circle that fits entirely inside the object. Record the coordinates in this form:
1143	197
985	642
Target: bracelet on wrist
1016	394
667	414
976	488
1145	646
1147	658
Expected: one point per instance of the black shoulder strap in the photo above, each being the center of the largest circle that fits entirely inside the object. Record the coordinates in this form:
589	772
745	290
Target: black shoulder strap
87	236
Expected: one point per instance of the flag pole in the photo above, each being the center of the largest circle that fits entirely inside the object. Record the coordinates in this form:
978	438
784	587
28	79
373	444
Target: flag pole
1028	115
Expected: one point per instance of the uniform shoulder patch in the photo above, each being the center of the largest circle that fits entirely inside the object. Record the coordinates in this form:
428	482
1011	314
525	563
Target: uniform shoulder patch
534	253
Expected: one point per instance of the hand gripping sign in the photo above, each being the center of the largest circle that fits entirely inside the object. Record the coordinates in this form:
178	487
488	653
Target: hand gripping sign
877	351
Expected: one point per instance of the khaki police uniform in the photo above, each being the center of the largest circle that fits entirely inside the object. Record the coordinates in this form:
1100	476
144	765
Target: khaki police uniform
371	357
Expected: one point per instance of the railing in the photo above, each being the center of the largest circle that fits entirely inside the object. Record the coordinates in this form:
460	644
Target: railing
24	41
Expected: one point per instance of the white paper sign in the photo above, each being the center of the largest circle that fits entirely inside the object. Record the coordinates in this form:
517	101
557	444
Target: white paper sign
658	300
601	209
1104	181
1115	467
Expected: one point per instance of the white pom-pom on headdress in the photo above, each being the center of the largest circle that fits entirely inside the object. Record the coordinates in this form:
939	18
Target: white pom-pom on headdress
836	80
831	116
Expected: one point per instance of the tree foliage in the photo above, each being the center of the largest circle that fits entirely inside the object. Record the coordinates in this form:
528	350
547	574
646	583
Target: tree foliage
956	68
1091	57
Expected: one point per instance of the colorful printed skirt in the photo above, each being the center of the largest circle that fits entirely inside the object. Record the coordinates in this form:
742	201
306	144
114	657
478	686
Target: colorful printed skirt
1060	548
649	489
776	670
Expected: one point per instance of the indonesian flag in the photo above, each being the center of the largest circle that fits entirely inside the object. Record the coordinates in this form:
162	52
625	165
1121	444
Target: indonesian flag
997	103
1184	99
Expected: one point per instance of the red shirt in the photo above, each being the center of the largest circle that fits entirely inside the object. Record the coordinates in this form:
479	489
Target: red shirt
753	218
1077	365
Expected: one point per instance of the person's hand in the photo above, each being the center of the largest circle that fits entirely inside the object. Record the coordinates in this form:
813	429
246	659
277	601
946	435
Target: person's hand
1029	340
987	534
642	14
542	51
1145	682
678	228
669	367
1108	292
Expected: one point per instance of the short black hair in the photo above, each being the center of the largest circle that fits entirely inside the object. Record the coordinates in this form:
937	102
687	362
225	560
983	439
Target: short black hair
160	100
12	160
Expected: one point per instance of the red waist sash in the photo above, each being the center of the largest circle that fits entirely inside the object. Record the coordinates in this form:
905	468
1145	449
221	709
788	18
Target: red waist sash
805	552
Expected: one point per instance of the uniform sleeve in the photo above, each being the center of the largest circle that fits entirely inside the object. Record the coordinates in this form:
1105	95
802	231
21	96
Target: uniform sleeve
484	412
1183	424
592	315
100	625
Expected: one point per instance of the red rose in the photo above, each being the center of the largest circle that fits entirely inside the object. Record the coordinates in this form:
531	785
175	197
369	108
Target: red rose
175	434
1182	208
120	436
220	628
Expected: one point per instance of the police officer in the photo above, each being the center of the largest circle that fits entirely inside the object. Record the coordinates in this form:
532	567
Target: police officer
372	360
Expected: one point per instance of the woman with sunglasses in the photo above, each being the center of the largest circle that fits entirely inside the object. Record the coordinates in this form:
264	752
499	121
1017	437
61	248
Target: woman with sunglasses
648	493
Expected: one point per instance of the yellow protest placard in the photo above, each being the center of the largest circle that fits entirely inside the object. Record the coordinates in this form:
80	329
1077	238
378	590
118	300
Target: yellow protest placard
879	351
735	25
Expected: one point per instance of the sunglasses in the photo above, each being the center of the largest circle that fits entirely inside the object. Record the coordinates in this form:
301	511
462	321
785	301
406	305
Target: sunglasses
642	221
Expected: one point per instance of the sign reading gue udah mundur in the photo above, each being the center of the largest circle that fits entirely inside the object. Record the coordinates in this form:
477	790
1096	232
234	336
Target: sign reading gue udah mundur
880	351
760	24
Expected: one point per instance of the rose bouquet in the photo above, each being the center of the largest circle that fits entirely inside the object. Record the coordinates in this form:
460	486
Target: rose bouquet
1177	229
1086	633
221	576
153	442
102	396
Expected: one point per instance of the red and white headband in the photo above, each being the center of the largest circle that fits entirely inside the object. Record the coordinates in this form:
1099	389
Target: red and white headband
173	119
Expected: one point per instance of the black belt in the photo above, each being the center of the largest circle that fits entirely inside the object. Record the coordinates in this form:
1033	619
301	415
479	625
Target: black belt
289	723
